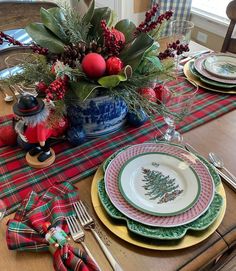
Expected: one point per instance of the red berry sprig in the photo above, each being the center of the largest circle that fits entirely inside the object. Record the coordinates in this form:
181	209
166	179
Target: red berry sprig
175	48
56	90
152	20
113	46
10	40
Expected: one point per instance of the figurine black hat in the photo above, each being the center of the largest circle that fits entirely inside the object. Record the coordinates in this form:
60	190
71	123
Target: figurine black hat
28	105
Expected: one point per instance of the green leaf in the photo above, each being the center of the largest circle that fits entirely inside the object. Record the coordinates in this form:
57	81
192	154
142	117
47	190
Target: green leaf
82	90
45	38
89	14
52	24
155	61
128	28
98	15
57	14
112	81
133	52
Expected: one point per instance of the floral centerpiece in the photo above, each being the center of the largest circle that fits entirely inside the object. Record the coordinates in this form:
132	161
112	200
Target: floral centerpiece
77	58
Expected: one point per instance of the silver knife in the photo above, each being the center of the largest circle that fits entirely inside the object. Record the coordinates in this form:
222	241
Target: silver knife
225	177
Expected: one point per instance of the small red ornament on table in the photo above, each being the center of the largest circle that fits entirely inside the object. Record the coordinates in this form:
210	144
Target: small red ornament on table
148	93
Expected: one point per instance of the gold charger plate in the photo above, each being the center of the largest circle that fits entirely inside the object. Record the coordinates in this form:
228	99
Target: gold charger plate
122	231
195	79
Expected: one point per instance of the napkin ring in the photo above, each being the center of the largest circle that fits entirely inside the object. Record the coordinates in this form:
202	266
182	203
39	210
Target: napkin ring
56	238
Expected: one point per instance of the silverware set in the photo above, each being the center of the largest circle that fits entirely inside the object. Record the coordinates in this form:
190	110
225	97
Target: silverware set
218	164
87	223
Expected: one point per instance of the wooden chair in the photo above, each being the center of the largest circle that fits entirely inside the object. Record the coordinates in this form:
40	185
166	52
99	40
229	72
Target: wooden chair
229	44
16	15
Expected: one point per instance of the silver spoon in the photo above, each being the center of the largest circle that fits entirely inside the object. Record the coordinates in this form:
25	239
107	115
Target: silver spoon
8	98
219	163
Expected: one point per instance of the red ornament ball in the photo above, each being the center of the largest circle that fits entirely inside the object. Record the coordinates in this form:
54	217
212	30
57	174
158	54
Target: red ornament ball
94	65
119	36
148	93
114	65
162	94
8	136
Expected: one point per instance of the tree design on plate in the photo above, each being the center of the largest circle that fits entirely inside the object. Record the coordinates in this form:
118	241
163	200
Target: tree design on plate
228	68
160	187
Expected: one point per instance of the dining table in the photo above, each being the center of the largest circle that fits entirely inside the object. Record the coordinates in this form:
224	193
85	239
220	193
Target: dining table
217	252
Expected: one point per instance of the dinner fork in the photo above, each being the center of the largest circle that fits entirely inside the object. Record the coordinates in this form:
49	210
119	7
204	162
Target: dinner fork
88	223
78	235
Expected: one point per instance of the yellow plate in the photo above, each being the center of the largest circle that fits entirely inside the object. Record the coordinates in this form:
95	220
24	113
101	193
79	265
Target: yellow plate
122	231
195	79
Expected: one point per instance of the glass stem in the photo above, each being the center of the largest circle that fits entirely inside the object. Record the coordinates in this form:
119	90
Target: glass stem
170	132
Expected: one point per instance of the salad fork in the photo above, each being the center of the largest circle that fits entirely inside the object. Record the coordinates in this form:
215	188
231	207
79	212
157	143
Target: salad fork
88	223
78	235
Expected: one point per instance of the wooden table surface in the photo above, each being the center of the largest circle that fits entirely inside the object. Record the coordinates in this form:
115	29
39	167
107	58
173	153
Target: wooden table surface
217	136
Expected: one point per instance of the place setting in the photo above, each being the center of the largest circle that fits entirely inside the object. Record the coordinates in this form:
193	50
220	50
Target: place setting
158	196
213	71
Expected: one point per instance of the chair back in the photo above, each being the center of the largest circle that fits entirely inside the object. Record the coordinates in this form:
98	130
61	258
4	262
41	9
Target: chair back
229	44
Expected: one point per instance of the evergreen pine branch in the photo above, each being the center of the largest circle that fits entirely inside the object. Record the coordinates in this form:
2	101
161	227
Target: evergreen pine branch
76	28
31	72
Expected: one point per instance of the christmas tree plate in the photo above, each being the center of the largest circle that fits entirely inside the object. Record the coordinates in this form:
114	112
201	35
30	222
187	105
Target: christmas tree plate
221	65
159	184
162	233
112	185
157	238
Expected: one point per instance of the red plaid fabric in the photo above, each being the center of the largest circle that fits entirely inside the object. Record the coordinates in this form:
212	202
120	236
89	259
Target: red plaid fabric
25	230
17	179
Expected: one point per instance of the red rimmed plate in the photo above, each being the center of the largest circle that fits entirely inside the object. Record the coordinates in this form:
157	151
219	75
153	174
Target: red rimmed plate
112	185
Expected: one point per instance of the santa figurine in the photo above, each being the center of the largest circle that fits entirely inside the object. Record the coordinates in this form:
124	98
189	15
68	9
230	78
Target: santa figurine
32	127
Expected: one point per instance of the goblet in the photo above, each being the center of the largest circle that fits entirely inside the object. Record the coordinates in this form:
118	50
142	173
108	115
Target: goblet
2	209
181	31
177	96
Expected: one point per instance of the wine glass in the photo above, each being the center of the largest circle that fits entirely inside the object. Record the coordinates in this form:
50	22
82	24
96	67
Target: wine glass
2	209
181	31
177	96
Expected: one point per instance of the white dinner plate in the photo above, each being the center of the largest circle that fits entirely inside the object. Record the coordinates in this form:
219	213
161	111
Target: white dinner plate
221	65
159	184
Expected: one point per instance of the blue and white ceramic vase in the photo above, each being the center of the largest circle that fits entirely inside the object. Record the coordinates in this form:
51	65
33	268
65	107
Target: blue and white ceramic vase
98	116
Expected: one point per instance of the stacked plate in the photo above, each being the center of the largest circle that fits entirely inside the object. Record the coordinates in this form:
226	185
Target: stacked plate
161	191
214	71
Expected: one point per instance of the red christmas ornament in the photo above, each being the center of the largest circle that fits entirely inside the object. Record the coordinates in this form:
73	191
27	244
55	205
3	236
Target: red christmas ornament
148	93
8	136
94	65
114	65
119	36
159	90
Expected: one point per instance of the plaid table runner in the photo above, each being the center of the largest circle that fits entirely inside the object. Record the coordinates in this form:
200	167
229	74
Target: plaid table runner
72	164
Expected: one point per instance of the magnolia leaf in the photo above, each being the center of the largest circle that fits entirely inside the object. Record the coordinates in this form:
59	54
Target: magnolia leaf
81	90
89	14
113	19
155	61
57	14
98	15
52	23
128	28
112	81
133	52
39	34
